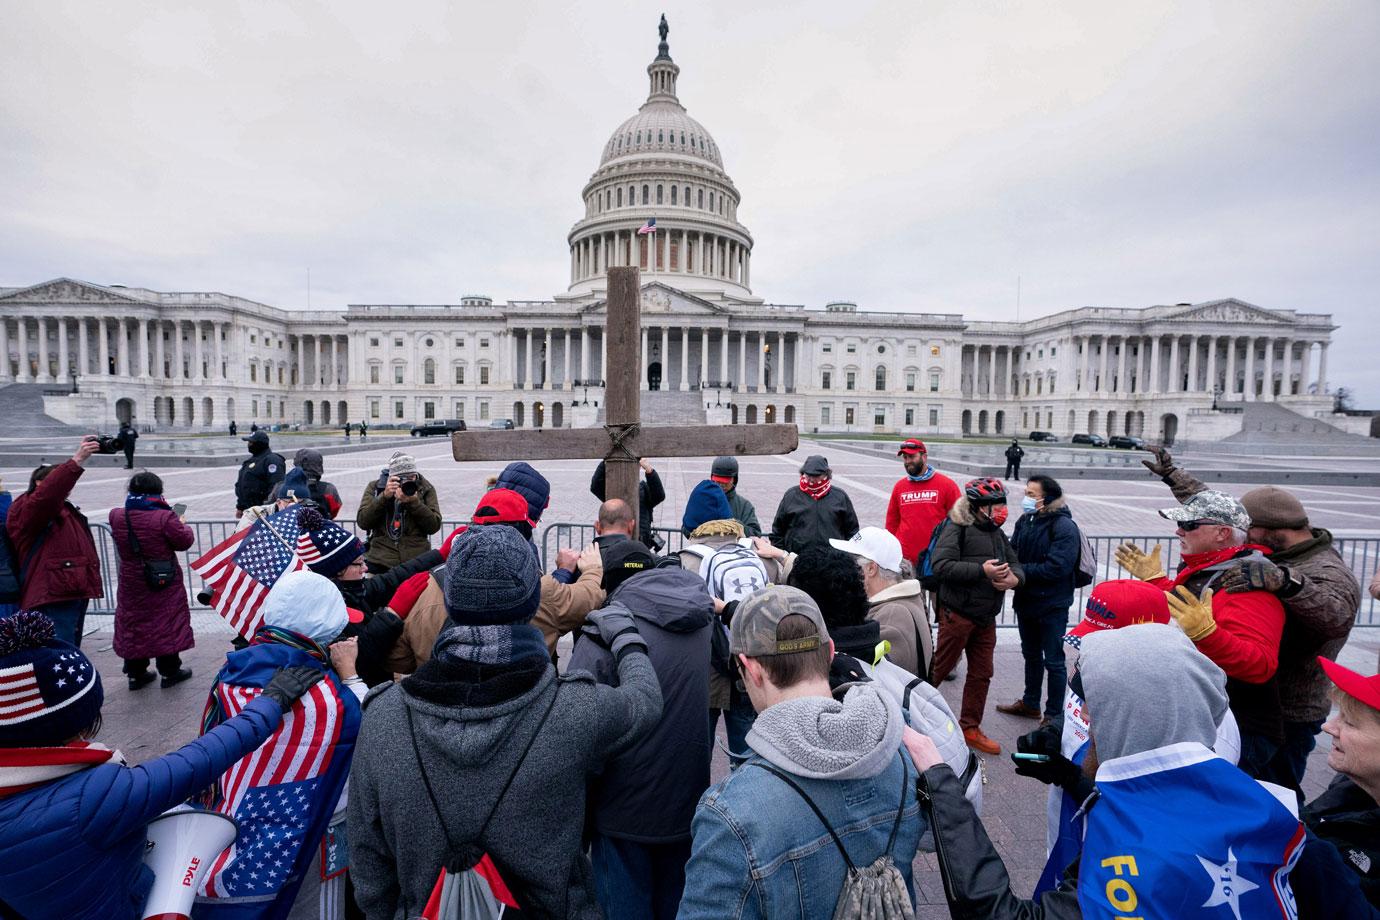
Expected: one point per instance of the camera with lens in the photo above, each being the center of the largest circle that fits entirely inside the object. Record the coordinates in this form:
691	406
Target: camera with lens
108	444
409	487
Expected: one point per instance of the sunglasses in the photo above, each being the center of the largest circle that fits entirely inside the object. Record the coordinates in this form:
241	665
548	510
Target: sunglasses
1190	526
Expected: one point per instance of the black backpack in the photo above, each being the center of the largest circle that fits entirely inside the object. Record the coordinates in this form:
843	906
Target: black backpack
11	570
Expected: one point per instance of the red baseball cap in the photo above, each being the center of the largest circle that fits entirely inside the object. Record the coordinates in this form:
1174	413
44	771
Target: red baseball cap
1365	689
354	615
912	446
501	506
1124	602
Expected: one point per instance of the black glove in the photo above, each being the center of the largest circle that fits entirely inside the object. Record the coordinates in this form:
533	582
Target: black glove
290	684
1058	770
617	629
1256	575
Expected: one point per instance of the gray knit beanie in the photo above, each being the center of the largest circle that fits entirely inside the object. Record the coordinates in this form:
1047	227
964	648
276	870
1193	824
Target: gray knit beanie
492	577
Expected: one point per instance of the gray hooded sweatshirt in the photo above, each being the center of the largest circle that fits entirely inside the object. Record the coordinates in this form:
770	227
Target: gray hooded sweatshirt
1147	686
822	738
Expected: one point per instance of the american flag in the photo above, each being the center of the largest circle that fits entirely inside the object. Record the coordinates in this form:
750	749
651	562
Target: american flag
648	227
22	687
241	570
275	794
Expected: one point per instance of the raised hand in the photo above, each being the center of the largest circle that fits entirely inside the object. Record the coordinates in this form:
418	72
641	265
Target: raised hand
1142	565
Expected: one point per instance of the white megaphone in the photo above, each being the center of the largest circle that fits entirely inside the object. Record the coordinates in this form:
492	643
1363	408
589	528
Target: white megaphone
182	844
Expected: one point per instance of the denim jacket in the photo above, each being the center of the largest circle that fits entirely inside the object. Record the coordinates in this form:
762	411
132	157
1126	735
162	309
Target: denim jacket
759	851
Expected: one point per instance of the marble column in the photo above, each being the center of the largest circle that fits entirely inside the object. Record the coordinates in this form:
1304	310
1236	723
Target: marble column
584	352
742	362
566	340
5	348
216	331
1213	341
546	358
302	360
1192	365
1250	369
160	356
1123	374
760	348
319	356
1305	367
1230	384
723	354
704	356
531	341
42	323
104	346
1105	385
1176	377
1322	368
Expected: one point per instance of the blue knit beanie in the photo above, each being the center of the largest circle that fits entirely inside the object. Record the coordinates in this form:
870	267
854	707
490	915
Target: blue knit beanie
492	577
51	691
296	485
707	502
531	485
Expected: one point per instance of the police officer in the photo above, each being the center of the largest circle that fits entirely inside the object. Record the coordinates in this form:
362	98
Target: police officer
258	474
127	437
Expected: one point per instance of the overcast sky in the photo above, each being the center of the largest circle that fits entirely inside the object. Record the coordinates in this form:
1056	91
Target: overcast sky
909	156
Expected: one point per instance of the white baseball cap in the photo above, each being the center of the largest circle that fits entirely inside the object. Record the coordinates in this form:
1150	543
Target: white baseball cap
875	544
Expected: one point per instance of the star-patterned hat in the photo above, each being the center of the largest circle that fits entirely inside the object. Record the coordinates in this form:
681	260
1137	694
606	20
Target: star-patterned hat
324	546
49	692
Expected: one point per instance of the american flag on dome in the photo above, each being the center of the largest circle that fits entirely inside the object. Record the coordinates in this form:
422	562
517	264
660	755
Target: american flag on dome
241	570
283	794
648	227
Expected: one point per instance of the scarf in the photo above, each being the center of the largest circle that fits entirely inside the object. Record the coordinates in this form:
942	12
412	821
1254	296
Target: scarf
923	477
492	645
24	768
135	502
815	492
215	712
1196	562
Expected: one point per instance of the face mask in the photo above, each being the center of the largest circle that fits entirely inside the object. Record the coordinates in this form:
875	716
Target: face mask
999	515
1029	504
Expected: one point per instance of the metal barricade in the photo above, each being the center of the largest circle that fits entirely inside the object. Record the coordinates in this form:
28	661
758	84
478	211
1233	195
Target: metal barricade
1361	554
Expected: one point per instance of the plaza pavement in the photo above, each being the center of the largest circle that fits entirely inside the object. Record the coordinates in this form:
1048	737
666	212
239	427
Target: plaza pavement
150	722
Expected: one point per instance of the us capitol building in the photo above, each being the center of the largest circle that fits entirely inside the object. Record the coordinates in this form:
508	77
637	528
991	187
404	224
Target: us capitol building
712	349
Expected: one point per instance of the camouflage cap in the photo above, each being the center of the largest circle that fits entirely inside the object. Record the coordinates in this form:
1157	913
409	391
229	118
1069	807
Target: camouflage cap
1218	507
755	623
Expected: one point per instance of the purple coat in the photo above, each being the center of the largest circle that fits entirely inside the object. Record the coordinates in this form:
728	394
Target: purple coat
150	623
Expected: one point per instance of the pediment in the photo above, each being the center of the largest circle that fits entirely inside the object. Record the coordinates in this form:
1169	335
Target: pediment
1230	310
662	299
69	290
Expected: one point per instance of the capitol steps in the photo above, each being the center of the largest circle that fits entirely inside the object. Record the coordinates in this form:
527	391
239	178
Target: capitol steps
671	407
22	415
1271	425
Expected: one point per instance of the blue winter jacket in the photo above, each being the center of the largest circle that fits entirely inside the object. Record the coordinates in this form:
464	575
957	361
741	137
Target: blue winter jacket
74	848
1046	543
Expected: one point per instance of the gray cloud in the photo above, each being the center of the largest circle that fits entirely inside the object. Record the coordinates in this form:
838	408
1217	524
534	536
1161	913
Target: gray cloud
910	156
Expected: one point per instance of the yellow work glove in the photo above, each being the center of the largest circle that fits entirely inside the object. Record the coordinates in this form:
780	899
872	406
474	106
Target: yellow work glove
1193	614
1146	567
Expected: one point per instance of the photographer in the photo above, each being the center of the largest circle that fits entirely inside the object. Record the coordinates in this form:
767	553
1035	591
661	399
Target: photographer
55	555
152	619
401	512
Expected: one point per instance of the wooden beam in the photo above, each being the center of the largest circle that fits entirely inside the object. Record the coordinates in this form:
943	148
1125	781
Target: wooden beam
536	444
622	397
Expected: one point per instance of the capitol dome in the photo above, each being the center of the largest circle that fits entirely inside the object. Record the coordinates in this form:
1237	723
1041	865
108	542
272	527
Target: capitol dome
662	165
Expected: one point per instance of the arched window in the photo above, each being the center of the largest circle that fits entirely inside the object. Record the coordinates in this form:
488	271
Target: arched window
673	194
632	195
658	194
429	371
639	137
711	201
682	138
646	194
881	377
660	137
701	199
620	198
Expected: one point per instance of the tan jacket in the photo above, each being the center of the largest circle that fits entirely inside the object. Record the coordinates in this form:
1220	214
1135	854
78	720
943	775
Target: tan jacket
900	611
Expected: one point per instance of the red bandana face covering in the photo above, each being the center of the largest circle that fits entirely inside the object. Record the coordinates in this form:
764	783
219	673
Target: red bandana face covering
999	514
815	492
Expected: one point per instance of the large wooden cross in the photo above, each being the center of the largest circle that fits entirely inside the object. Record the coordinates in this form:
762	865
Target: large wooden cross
622	441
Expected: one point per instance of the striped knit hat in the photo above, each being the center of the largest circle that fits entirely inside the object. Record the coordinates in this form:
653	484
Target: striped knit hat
324	546
49	691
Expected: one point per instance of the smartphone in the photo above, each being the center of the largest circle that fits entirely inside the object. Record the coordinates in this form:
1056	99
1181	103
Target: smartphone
1033	758
180	509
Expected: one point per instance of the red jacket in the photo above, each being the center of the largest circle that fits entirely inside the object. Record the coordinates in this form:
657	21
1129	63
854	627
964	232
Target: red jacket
1246	642
66	566
915	508
150	622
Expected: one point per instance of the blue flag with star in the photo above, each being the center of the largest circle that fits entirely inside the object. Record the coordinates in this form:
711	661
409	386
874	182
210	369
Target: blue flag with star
1180	833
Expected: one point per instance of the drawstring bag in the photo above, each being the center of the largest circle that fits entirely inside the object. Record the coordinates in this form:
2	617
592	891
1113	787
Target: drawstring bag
878	891
471	886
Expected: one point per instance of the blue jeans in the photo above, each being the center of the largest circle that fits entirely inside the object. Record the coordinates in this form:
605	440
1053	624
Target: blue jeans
68	618
639	881
1042	647
1256	753
1291	760
738	718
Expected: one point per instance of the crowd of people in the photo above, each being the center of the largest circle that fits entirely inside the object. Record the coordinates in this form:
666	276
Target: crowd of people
399	726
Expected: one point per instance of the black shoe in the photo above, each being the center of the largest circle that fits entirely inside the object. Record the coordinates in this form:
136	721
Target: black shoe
176	679
139	681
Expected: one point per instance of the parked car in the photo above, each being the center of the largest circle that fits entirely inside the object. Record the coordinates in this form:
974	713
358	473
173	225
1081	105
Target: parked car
1096	440
1042	436
504	423
1126	442
438	426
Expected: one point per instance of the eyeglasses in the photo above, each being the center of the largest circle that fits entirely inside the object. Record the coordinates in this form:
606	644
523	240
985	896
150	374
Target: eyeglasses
1190	526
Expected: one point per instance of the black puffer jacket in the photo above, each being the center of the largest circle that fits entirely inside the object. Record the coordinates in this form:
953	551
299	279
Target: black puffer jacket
963	546
1047	544
650	493
802	522
649	792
